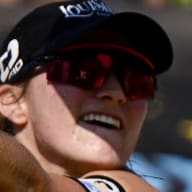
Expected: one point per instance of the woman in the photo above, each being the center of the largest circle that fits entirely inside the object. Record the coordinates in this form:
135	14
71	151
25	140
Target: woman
76	84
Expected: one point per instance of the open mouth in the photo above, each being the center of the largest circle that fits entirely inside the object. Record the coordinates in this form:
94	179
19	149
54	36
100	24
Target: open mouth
104	120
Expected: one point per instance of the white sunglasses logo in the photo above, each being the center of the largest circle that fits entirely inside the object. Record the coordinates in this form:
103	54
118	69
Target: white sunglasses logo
10	58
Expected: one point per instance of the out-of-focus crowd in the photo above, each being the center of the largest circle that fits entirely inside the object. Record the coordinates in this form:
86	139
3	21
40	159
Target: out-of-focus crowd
150	3
6	3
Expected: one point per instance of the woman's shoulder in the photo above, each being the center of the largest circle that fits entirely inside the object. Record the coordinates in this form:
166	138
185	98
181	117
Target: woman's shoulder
123	180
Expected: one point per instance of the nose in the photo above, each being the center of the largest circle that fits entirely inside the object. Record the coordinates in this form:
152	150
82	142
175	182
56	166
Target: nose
112	90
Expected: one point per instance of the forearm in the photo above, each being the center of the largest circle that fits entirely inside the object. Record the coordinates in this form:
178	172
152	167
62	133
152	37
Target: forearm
19	170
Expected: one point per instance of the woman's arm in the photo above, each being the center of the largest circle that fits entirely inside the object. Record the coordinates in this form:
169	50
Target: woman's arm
19	170
102	181
129	182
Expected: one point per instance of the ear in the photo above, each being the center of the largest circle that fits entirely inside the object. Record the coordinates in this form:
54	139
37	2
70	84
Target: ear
12	104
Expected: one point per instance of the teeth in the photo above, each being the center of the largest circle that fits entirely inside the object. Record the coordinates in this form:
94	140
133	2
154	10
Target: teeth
103	119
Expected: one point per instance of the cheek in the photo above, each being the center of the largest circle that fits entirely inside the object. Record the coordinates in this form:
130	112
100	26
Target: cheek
71	99
53	112
54	102
136	115
138	112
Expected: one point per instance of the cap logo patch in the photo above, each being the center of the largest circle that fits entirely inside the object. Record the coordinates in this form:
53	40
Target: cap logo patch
10	64
85	9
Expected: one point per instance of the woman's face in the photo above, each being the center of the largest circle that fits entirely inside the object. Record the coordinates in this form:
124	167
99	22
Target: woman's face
82	130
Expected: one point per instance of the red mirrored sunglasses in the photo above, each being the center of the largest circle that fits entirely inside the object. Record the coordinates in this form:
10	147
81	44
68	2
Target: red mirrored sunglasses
90	70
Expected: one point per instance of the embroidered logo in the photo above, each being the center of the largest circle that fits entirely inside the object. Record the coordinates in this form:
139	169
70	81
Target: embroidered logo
10	64
85	9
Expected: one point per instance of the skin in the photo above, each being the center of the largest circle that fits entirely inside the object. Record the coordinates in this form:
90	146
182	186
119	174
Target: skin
24	174
47	122
64	144
19	170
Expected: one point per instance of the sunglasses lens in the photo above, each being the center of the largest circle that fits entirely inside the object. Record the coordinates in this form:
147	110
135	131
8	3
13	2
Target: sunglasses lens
138	85
90	72
84	72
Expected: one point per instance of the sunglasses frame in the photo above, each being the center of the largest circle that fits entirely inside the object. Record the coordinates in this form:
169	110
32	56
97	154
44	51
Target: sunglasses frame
42	63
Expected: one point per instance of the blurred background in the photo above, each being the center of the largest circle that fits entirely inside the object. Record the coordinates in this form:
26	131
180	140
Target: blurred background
164	154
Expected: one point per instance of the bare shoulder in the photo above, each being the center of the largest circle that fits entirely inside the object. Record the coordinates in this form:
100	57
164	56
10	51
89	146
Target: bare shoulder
102	181
129	181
